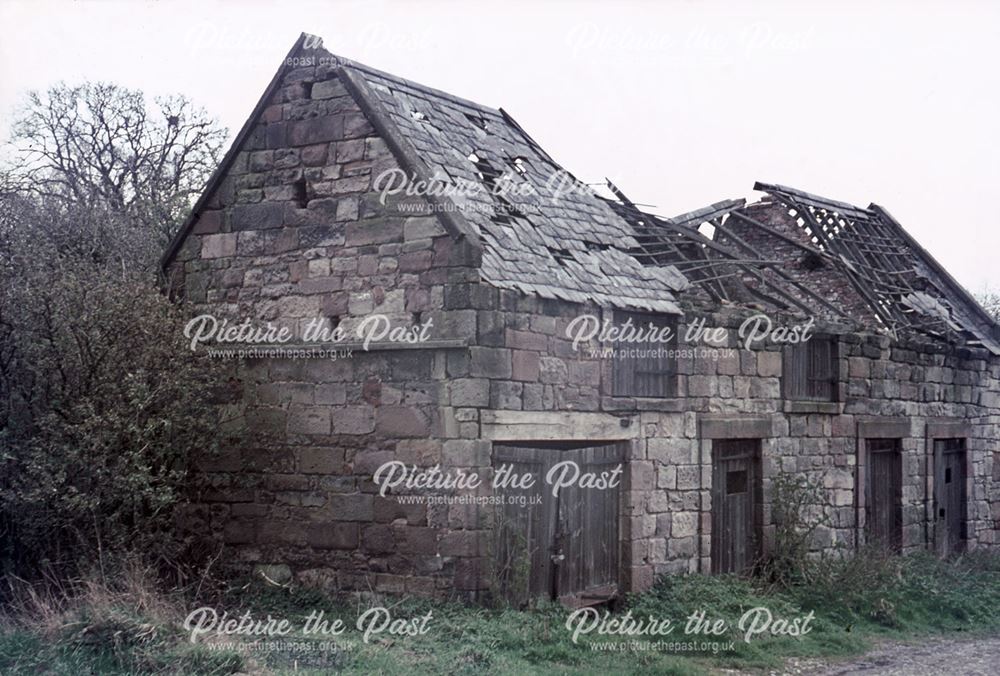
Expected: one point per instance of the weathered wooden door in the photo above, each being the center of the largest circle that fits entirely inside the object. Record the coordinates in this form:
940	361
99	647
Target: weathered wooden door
884	493
736	500
525	527
949	496
560	544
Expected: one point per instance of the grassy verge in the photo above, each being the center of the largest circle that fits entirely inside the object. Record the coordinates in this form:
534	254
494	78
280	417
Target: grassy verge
132	631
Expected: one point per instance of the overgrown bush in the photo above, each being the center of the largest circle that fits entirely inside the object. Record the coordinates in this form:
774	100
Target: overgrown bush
104	414
855	585
797	509
102	409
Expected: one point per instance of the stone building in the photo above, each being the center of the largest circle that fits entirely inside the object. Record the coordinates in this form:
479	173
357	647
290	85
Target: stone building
892	406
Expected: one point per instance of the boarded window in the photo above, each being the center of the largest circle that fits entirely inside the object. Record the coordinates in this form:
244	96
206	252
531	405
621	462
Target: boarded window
811	370
647	368
736	482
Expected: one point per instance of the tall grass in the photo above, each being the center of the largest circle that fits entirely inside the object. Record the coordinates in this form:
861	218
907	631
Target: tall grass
96	625
126	626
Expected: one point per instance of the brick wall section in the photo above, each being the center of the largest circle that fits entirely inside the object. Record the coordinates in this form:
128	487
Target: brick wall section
833	286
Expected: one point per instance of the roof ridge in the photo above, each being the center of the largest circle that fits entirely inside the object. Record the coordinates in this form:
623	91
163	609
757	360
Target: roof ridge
351	64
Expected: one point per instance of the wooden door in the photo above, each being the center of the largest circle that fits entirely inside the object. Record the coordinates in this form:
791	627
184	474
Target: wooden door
588	545
950	503
525	528
736	522
567	544
884	493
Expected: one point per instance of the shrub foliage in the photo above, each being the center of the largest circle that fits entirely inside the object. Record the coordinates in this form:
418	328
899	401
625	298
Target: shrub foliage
102	409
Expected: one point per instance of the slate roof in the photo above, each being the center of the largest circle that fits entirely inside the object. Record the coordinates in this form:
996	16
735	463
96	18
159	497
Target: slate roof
571	246
554	237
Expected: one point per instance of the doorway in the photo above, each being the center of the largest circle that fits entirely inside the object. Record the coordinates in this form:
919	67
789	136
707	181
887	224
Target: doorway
884	490
561	544
736	502
950	504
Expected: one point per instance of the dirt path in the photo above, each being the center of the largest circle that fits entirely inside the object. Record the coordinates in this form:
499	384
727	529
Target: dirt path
929	657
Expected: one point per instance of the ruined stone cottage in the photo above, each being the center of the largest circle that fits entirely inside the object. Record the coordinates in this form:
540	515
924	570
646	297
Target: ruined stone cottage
892	406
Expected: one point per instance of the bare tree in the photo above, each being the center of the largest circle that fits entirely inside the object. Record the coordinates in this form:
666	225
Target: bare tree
989	298
101	148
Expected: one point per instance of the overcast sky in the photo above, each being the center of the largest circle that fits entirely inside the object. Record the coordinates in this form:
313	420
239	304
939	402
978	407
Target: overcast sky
680	103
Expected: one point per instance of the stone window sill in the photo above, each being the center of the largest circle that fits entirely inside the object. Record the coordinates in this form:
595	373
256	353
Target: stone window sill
830	407
668	404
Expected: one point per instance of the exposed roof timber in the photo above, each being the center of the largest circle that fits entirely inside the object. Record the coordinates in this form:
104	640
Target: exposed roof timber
984	319
890	270
775	267
709	213
813	200
780	235
657	229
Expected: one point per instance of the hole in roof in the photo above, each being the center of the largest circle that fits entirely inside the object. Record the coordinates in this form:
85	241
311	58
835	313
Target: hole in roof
561	255
811	261
478	121
485	170
417	115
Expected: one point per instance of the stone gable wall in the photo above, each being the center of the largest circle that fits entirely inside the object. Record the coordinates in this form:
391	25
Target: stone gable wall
295	231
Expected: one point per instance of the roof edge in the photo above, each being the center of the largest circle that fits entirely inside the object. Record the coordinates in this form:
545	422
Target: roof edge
953	284
371	70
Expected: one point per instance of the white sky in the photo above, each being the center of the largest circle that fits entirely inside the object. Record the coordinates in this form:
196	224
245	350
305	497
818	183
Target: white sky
680	103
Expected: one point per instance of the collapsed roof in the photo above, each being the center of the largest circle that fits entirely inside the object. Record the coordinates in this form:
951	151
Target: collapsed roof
904	289
548	234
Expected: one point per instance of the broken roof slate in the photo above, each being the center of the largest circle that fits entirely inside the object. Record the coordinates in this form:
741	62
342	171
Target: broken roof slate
534	238
584	248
